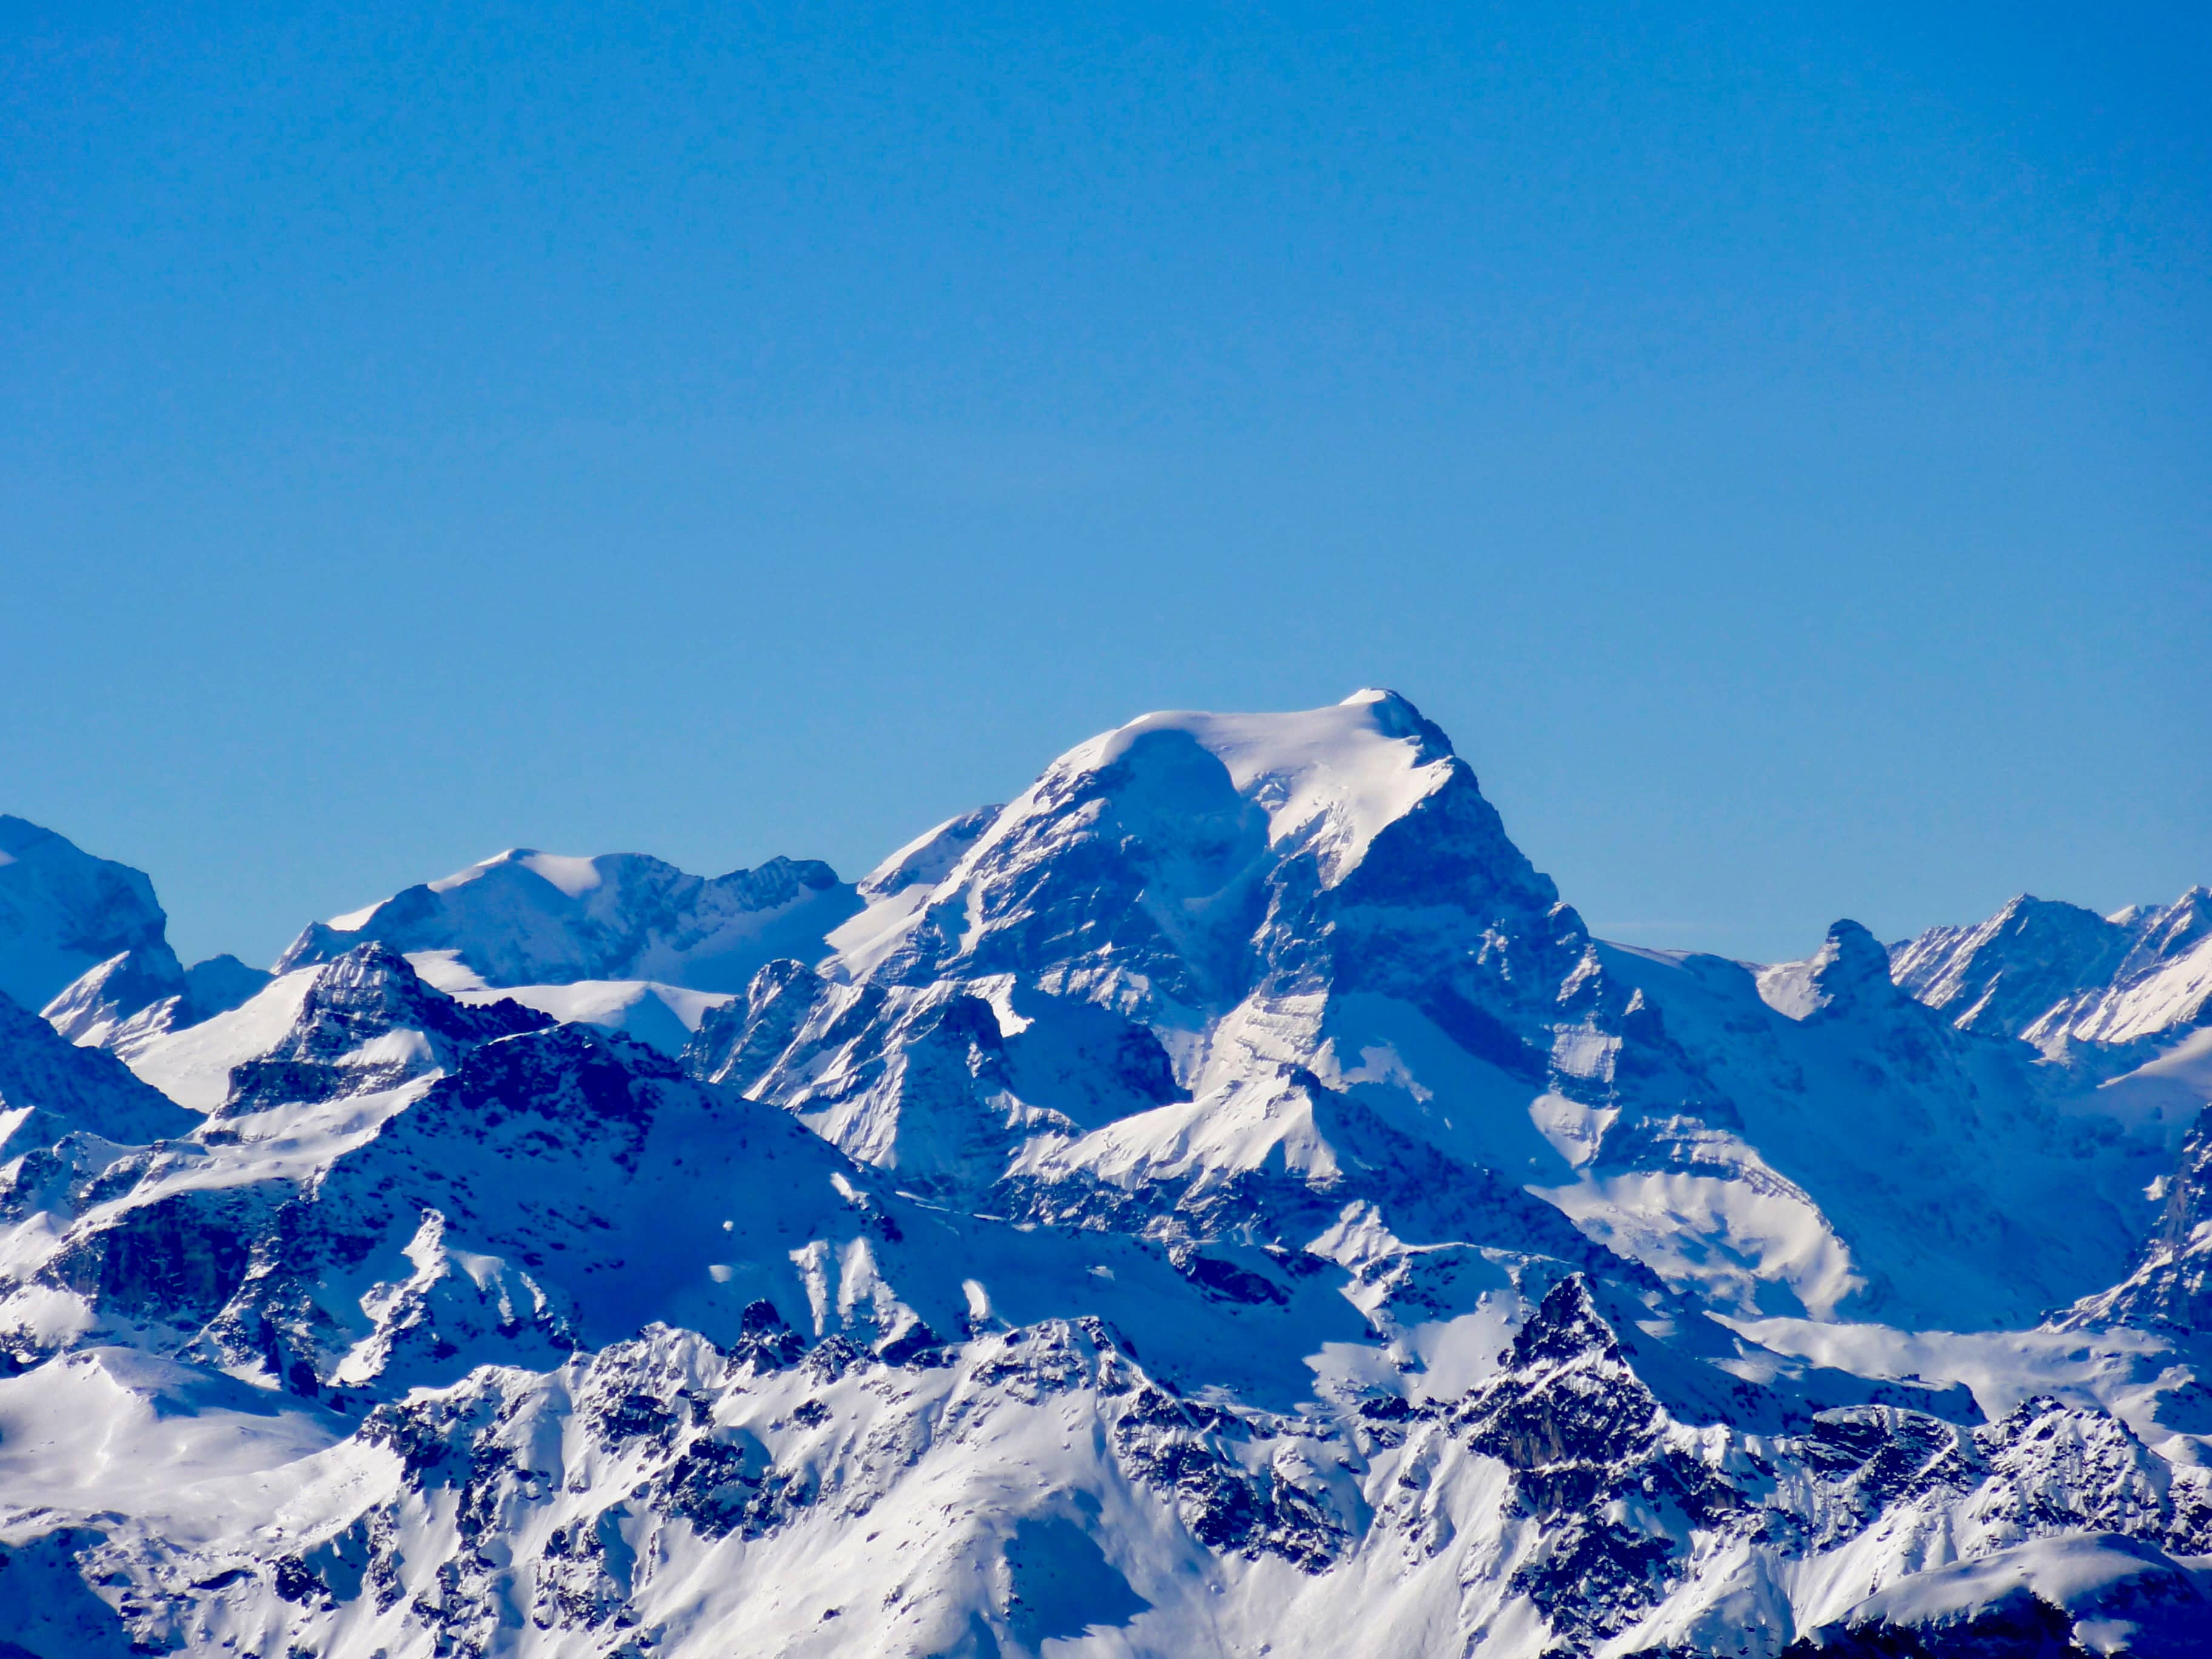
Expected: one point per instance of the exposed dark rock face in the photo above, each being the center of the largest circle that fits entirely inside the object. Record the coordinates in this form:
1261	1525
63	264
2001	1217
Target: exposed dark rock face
369	993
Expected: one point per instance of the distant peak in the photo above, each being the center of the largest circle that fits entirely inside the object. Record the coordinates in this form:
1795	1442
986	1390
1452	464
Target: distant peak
526	917
1850	968
2027	906
1851	954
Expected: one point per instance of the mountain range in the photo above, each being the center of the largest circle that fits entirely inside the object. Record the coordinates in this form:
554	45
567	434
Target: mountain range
1223	1202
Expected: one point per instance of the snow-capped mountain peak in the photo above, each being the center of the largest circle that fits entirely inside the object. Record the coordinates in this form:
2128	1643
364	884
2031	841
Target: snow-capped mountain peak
84	939
1151	856
2053	973
1334	778
63	912
362	1021
530	918
1851	970
1222	1200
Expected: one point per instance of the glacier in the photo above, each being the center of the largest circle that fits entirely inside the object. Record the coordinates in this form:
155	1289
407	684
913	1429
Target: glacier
1223	1200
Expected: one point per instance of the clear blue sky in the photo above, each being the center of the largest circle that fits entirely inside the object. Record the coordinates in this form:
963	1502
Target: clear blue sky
1774	440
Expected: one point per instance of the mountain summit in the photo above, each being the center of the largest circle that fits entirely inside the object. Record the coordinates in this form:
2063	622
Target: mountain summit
530	918
1222	1200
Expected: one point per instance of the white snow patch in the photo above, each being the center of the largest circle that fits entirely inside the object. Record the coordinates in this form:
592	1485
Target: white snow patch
192	1065
1787	988
662	1016
863	940
113	1430
2061	1571
1725	1237
1355	764
574	876
2117	1370
444	970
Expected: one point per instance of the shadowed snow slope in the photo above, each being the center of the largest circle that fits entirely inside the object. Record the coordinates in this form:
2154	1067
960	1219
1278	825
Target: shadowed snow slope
1222	1201
49	1089
62	911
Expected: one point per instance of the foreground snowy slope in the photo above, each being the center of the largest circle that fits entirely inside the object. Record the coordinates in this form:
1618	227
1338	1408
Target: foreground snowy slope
1222	1201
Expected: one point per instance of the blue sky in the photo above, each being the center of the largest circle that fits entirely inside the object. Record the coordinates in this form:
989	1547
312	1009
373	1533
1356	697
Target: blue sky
1771	440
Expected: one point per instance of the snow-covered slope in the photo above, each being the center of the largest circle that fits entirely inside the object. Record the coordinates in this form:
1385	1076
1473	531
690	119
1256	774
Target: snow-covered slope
1222	1201
1918	1159
2084	1594
132	998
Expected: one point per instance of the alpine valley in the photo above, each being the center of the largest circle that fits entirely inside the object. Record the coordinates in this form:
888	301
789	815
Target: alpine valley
1223	1202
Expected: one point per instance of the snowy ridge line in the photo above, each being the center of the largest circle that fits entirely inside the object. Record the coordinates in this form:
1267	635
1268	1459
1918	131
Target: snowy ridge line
1222	1201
